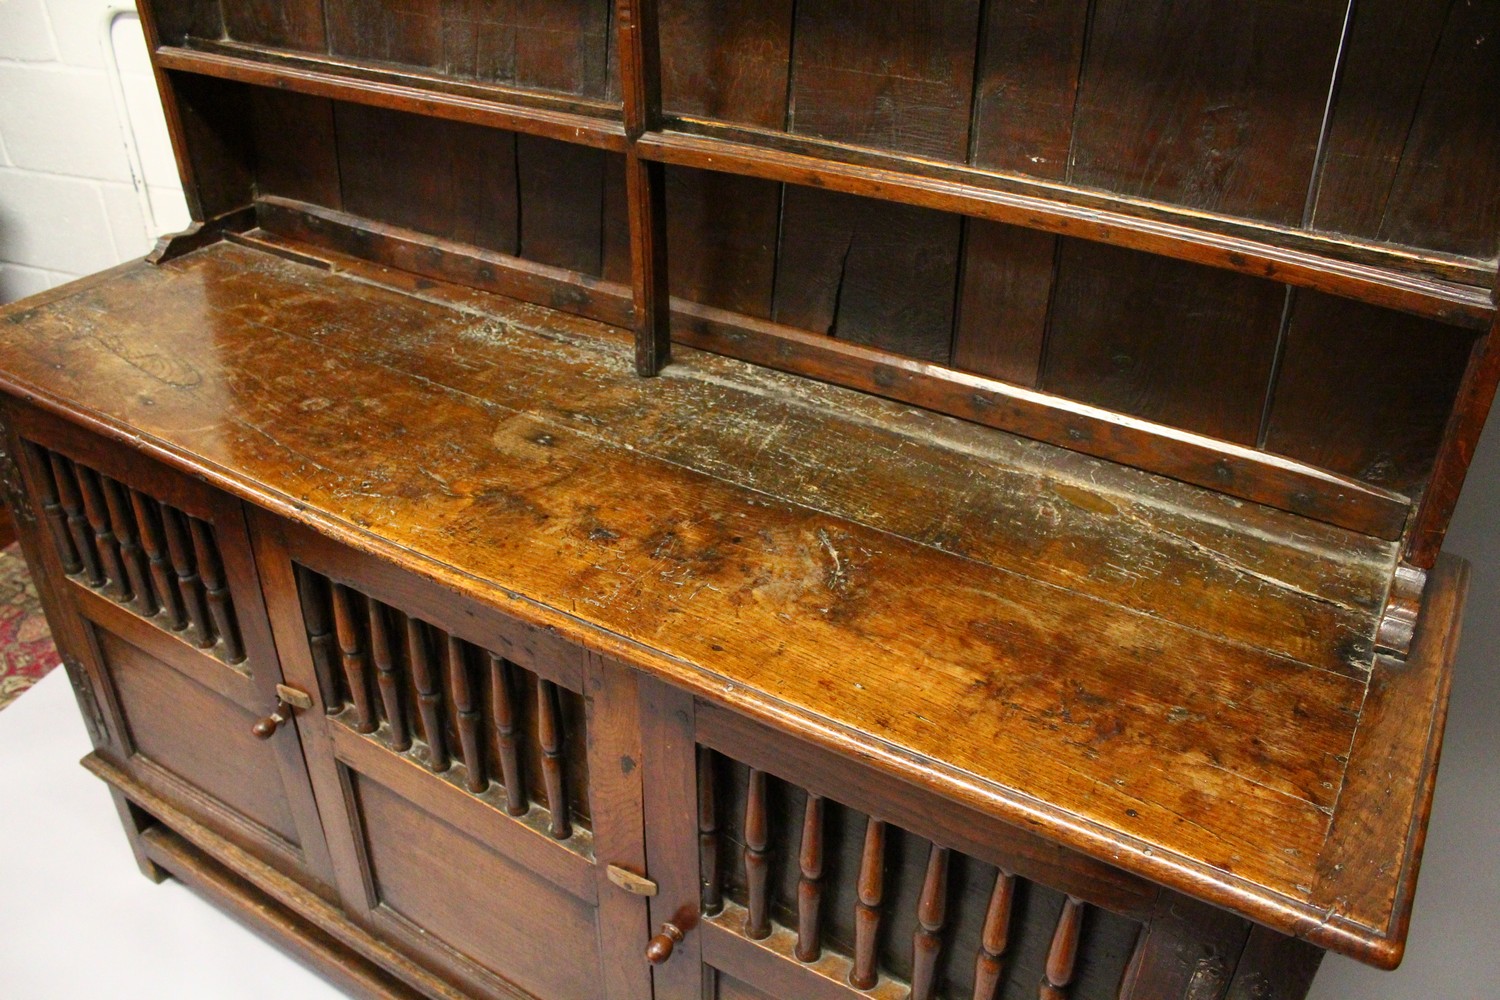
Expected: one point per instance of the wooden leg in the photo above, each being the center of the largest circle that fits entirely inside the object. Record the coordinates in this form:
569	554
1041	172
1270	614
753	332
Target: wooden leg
136	821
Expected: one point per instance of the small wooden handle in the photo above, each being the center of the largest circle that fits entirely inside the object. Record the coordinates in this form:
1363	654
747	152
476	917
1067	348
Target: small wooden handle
266	728
659	948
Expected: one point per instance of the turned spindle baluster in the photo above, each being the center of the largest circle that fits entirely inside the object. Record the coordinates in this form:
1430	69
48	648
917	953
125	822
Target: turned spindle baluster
1063	955
550	735
78	525
708	835
995	938
355	672
180	552
932	910
466	707
757	857
386	676
108	547
312	592
810	882
162	581
57	521
429	696
220	604
870	889
503	708
122	518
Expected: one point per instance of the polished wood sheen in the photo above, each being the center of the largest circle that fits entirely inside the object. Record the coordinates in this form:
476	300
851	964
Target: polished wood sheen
679	499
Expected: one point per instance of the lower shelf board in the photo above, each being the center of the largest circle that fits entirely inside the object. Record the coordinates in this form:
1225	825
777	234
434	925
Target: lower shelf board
269	918
287	912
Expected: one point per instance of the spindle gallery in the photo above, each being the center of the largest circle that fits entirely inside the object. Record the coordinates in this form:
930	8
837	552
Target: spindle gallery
784	499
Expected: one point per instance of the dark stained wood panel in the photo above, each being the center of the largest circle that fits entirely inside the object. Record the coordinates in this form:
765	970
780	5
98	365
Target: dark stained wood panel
1004	298
292	24
721	239
1185	103
559	46
1030	59
895	75
726	59
870	272
563	45
445	179
297	151
1446	195
560	198
1386	62
1365	391
485	906
169	715
1162	339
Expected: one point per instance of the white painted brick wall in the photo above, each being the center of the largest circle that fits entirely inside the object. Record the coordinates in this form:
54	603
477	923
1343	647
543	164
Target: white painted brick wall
87	177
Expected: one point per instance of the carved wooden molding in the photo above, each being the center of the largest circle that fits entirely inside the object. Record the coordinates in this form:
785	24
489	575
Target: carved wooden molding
1398	623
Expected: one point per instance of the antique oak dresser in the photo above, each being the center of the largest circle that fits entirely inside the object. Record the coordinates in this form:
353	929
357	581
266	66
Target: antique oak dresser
782	498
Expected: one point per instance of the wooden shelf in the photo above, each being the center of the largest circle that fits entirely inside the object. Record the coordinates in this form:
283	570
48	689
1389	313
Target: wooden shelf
567	119
1451	289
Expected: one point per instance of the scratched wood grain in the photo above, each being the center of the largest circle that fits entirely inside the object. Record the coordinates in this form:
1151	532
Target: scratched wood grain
1163	339
1069	520
1053	692
385	170
726	59
1386	423
1181	104
896	75
559	46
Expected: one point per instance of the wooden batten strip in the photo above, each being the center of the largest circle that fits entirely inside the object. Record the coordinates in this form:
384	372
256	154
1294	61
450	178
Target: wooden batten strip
708	834
959	190
1193	458
400	92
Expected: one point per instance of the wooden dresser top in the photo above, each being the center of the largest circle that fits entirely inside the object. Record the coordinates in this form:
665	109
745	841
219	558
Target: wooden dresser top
1173	681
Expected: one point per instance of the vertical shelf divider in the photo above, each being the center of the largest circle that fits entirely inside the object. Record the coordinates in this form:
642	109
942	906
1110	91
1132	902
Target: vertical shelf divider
645	183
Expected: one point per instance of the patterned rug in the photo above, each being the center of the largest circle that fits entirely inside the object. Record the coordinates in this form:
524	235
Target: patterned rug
26	650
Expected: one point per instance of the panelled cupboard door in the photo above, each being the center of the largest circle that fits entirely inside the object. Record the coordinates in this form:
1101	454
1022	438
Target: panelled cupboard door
789	871
158	604
479	779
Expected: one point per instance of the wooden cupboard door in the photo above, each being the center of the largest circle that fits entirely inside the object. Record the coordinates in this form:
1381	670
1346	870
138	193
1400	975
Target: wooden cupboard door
795	872
156	602
477	776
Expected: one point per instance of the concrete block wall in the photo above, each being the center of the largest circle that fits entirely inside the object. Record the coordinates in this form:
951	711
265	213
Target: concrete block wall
87	178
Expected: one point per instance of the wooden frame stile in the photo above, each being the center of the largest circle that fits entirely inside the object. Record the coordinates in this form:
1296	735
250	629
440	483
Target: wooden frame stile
645	183
101	715
1465	423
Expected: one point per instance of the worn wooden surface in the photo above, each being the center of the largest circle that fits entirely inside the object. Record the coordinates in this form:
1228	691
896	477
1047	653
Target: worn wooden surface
728	528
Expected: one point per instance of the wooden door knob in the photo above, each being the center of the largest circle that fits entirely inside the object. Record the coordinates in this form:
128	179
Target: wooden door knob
288	700
659	948
266	728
